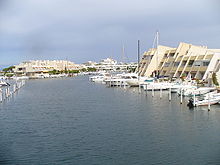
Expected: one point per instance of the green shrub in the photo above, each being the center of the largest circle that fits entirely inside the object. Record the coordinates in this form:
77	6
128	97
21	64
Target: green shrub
74	71
9	69
91	69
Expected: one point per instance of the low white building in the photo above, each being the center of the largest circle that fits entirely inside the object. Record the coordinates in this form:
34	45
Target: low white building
108	61
36	67
110	64
90	64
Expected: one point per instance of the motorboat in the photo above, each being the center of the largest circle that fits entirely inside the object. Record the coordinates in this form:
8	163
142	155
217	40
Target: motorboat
211	95
150	84
207	99
183	88
136	82
176	87
3	77
157	86
204	102
121	79
21	78
3	83
100	77
196	91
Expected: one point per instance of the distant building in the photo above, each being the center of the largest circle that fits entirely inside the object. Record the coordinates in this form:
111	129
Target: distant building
110	64
90	64
186	60
31	68
108	61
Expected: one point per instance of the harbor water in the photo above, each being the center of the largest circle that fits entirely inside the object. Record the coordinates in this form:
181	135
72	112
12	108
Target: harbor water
75	121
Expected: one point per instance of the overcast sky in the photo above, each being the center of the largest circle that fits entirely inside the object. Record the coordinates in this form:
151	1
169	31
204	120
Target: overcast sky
82	30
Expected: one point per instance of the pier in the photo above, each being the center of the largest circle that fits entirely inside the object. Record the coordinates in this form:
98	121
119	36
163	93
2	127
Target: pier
184	91
8	91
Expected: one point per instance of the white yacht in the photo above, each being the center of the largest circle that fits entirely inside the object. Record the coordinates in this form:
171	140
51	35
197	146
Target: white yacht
21	78
3	83
3	78
121	79
100	77
157	86
151	84
136	82
208	99
196	91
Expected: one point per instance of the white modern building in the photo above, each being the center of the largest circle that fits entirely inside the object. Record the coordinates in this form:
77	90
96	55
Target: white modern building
108	61
36	67
110	64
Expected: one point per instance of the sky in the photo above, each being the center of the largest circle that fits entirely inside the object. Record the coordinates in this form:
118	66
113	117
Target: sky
91	30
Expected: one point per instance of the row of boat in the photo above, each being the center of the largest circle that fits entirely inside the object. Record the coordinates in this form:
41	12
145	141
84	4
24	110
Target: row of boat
3	83
8	90
198	95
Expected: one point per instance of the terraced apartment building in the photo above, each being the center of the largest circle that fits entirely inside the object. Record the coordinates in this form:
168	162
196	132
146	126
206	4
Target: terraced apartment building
36	67
199	62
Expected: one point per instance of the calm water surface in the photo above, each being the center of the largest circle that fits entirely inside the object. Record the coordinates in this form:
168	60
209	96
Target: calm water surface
74	121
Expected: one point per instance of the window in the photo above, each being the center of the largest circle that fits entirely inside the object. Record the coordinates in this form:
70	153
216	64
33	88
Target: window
183	63
172	54
190	62
166	64
206	63
176	64
198	63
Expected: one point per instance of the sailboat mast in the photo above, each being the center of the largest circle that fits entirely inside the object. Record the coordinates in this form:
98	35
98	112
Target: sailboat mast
123	53
157	38
138	56
157	43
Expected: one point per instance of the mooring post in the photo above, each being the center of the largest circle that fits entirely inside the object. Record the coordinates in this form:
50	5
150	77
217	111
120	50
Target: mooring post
160	92
110	82
181	96
153	91
209	106
194	99
170	94
1	95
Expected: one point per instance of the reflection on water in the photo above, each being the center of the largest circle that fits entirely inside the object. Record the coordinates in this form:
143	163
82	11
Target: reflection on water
74	121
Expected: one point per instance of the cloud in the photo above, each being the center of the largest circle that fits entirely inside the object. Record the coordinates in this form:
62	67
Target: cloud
94	29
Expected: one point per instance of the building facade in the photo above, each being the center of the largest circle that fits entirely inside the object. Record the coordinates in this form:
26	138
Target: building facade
198	62
30	68
110	64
